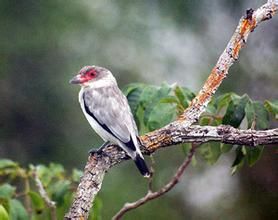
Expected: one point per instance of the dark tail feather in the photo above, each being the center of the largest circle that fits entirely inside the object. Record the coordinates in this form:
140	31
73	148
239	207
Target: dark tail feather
142	166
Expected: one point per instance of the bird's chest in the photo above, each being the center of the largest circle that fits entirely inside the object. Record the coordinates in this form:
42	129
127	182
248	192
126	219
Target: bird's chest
93	122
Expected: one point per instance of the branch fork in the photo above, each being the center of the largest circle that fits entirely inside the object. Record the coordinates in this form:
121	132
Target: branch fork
181	131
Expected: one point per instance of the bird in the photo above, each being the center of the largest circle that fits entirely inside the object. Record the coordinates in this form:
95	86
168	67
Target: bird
107	110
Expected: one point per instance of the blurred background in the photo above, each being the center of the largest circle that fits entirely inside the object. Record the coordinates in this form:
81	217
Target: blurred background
44	43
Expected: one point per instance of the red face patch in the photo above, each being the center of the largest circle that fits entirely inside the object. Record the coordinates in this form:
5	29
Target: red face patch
91	73
87	74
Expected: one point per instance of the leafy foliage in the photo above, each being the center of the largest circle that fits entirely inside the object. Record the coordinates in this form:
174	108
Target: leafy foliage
20	198
153	107
272	107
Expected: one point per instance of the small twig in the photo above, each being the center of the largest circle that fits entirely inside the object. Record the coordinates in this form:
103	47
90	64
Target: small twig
150	184
98	165
51	204
27	200
20	194
166	188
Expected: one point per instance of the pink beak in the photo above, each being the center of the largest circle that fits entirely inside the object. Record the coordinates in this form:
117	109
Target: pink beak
76	80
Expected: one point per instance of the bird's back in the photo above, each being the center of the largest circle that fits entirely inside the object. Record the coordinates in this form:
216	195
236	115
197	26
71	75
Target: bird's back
109	107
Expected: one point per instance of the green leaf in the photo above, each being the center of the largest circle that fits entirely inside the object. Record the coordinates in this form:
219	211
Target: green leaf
8	167
139	118
47	174
184	95
262	119
188	94
148	95
3	213
6	163
257	114
146	102
134	93
154	99
186	148
194	161
253	155
7	191
44	174
211	108
58	190
133	97
239	160
161	115
225	148
131	87
17	210
37	201
222	103
179	94
272	107
76	175
235	111
205	120
169	100
250	113
57	170
210	151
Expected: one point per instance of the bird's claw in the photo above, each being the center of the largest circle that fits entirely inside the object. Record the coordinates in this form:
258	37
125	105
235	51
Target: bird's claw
99	150
93	151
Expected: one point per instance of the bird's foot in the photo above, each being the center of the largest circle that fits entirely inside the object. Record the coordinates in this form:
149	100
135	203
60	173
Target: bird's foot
93	151
99	150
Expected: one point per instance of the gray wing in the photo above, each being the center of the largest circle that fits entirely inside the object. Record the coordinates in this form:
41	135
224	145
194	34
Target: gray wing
111	110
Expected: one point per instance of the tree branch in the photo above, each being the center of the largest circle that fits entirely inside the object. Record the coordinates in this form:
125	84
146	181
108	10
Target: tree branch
166	188
112	155
246	25
98	164
201	134
51	205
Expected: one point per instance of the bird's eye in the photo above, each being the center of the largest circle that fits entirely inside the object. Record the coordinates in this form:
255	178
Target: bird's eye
92	73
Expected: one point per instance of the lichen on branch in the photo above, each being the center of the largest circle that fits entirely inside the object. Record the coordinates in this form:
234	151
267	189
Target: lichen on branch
171	134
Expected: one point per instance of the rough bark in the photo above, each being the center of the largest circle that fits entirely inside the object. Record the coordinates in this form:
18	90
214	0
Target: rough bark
112	155
179	131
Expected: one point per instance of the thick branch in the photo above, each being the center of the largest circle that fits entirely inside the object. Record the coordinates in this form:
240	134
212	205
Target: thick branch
195	134
201	134
112	155
97	165
231	53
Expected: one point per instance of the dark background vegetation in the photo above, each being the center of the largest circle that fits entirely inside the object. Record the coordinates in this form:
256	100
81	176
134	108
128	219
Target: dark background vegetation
44	43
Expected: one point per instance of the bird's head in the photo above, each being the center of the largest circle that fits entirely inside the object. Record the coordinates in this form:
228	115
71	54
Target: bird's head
91	74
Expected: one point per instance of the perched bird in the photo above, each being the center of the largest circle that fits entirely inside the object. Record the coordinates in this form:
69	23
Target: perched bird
107	110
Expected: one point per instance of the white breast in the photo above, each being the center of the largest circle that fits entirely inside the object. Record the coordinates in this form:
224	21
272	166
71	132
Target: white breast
94	124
